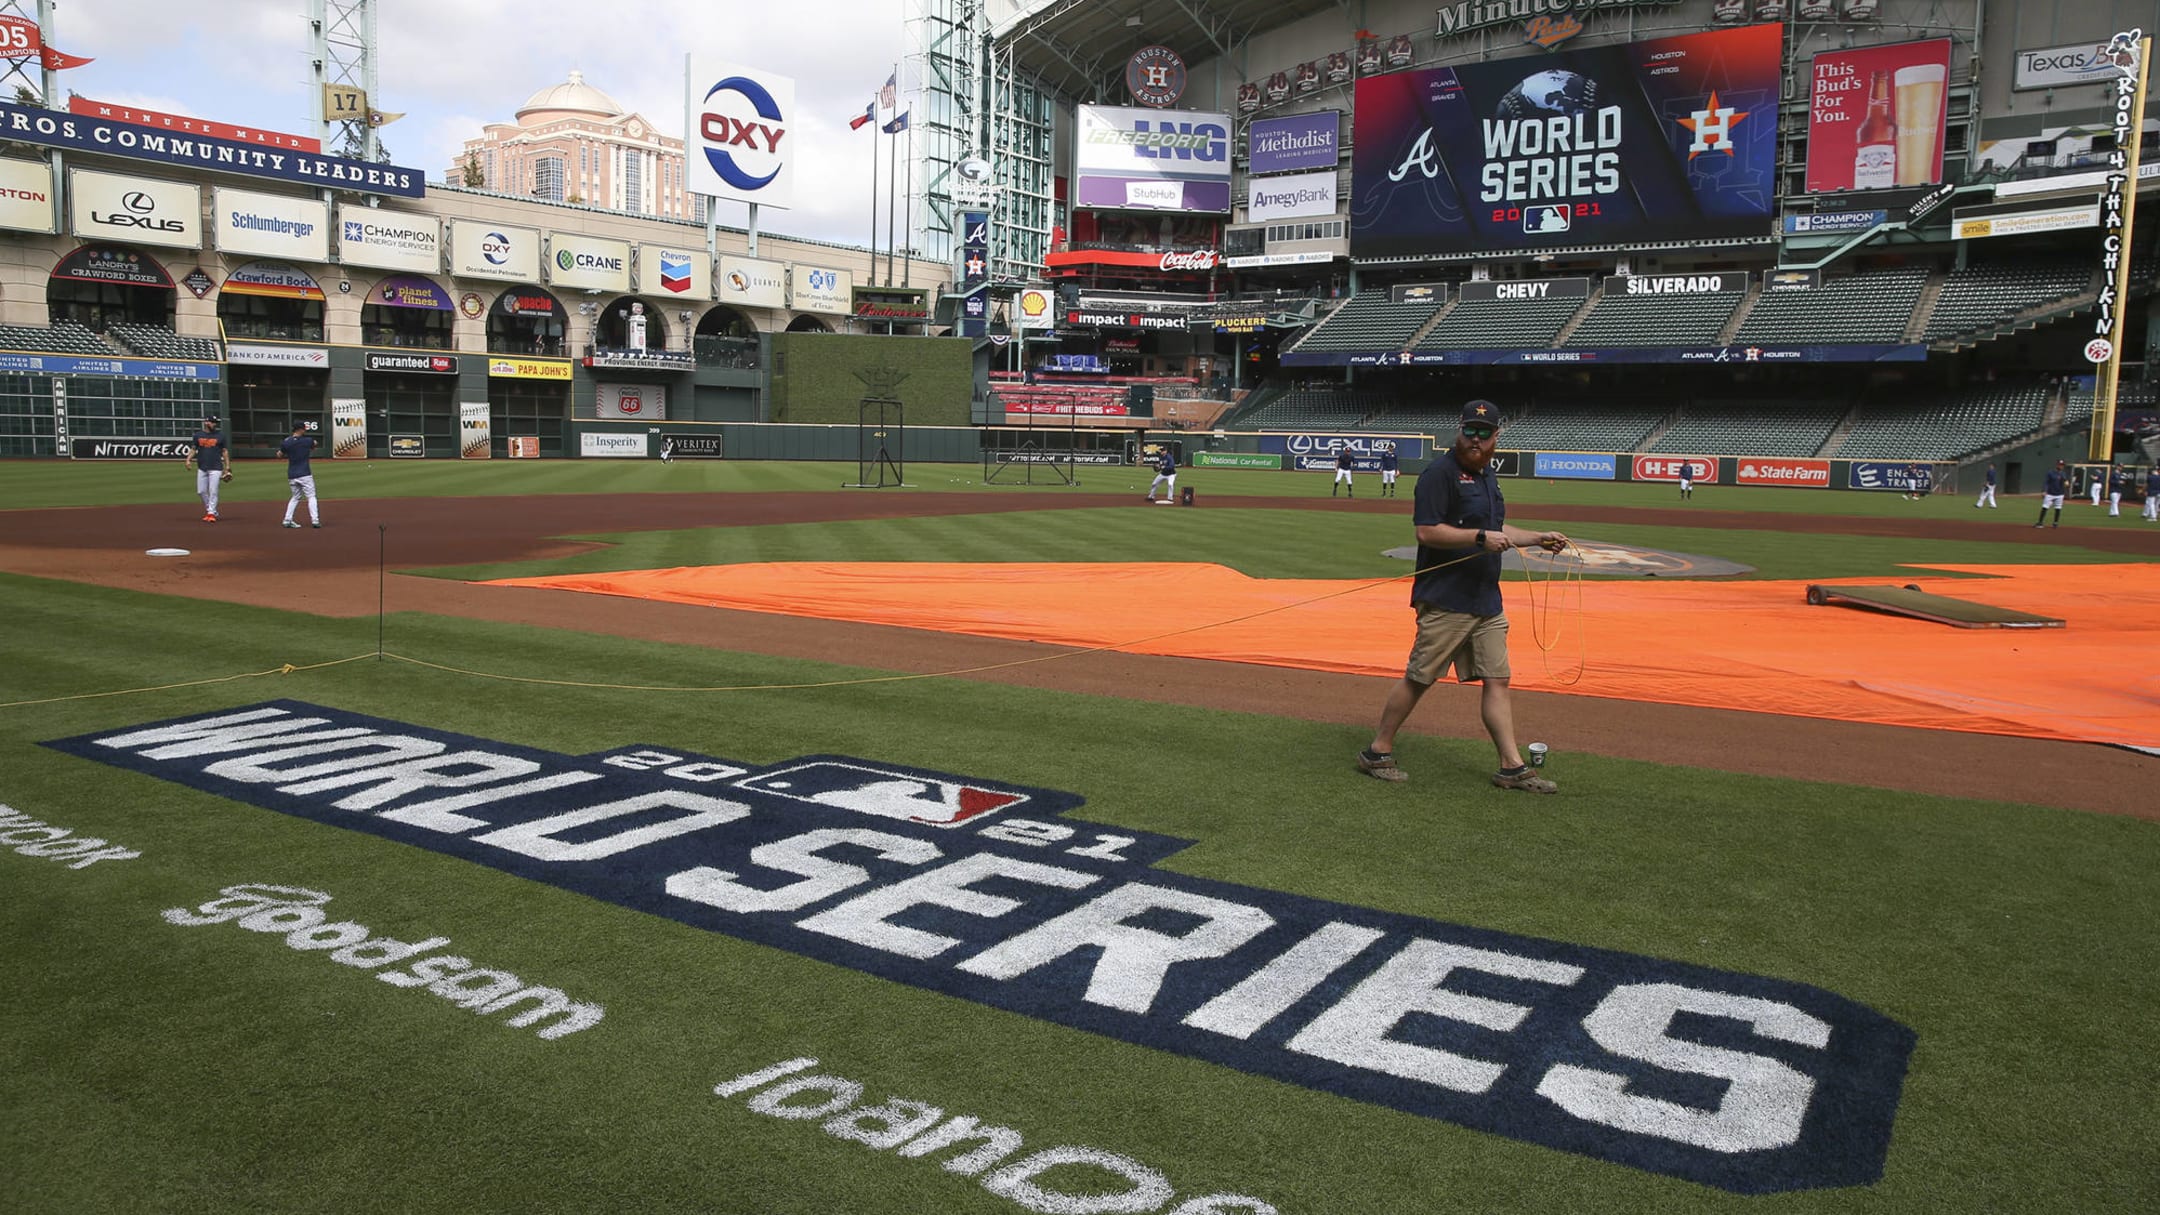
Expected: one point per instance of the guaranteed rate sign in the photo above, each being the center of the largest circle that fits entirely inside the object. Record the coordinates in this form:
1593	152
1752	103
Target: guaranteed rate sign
1666	139
990	892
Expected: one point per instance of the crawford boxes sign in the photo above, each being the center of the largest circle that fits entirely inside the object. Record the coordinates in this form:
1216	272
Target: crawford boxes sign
997	894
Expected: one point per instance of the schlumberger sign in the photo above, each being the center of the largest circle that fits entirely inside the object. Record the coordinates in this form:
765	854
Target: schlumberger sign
989	893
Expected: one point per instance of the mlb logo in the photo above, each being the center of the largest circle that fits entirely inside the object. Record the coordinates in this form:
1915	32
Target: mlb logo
354	230
674	272
1546	219
913	797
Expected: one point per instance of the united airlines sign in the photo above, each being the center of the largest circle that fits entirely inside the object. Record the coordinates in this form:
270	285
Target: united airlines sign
52	129
992	893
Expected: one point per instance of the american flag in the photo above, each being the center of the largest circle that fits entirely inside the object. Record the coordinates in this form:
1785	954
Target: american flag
885	95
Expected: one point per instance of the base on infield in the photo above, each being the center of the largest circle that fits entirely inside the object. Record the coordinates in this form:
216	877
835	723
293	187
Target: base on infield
1920	605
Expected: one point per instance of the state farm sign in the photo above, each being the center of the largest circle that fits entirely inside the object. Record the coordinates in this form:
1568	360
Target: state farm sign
1667	468
1806	474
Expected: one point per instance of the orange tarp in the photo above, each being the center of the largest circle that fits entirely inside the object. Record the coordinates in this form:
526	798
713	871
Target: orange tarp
1728	645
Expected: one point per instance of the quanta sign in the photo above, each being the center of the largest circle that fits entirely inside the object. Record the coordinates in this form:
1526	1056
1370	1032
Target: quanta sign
988	892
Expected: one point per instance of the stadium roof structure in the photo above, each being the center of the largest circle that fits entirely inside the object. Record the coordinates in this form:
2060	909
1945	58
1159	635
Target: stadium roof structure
1078	48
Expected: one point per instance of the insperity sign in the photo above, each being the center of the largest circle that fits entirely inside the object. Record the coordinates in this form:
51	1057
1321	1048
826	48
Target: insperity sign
989	892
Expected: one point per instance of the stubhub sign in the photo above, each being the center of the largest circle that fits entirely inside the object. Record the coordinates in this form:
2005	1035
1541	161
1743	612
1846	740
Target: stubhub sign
988	892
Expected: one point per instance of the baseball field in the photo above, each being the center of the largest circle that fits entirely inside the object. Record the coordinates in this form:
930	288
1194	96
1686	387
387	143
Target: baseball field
353	869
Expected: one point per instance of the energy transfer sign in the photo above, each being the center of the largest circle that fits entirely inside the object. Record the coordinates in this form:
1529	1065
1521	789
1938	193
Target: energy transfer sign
988	892
736	132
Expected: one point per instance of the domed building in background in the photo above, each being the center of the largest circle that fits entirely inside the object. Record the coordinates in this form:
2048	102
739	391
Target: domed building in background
572	143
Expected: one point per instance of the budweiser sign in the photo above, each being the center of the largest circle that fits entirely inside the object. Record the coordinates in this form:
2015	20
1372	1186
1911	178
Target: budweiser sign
1197	259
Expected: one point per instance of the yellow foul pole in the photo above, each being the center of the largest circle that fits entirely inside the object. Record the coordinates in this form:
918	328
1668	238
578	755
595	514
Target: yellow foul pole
2132	52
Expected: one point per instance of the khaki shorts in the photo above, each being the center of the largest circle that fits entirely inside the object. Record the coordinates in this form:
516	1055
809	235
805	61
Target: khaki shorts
1476	646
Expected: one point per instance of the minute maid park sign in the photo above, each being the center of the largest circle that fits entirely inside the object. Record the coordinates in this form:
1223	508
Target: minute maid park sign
1470	16
991	893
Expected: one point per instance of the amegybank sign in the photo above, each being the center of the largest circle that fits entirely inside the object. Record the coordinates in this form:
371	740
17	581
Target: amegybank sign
1272	198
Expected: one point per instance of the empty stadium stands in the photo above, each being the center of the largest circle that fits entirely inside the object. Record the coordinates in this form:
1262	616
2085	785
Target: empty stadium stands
1315	409
1368	321
1048	401
1980	298
1656	320
1872	308
1751	428
1501	324
2127	396
63	337
158	342
1604	426
1946	426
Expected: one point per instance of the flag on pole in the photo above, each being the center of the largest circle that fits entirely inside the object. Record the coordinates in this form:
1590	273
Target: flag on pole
885	95
869	114
898	124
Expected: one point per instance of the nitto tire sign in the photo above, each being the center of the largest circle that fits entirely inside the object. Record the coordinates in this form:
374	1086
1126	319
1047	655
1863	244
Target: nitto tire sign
130	449
988	892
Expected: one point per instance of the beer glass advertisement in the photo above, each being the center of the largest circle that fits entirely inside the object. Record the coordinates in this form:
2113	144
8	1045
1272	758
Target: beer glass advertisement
1875	116
1664	139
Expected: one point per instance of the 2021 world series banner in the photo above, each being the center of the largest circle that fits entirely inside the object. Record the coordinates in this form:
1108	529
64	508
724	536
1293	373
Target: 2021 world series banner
1664	139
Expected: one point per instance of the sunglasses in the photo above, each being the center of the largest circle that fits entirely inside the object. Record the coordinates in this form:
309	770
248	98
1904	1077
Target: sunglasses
1480	433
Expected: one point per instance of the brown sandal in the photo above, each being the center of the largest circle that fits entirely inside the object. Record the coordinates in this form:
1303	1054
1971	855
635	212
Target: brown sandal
1380	766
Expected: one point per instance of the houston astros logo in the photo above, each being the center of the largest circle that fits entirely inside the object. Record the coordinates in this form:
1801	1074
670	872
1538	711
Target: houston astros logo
723	132
1713	128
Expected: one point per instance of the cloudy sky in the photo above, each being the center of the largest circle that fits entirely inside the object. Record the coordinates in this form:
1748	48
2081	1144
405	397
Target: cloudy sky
453	65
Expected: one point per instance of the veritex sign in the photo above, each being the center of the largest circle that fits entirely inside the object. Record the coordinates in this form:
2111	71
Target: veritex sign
988	892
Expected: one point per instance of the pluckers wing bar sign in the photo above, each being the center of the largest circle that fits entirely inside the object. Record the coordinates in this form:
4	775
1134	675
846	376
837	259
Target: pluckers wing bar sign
890	303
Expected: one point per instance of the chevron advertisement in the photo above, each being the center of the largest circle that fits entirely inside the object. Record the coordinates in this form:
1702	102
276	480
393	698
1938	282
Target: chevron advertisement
1664	139
675	270
1000	895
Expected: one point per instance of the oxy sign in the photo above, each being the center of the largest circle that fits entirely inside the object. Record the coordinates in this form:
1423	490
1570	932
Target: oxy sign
994	894
735	132
485	250
587	263
136	210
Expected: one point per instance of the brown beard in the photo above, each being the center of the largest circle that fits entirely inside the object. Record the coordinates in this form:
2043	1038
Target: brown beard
1472	455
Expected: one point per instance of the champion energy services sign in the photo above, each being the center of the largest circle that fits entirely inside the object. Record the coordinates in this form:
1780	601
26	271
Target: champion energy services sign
992	893
389	240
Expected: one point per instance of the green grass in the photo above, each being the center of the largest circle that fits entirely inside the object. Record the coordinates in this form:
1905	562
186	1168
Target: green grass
149	1067
1260	543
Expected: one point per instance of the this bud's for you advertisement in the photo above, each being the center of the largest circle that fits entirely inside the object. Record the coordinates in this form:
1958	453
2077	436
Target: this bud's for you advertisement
1875	116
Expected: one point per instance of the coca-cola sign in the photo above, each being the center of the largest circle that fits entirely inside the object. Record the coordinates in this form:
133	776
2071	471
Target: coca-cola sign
1196	259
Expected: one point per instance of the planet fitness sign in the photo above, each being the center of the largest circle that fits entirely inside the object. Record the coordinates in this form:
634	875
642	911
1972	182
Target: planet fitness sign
988	892
1666	139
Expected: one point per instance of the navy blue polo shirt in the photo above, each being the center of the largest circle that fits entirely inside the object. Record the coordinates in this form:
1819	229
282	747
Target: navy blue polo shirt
209	450
1447	494
297	449
2057	483
1166	463
1342	457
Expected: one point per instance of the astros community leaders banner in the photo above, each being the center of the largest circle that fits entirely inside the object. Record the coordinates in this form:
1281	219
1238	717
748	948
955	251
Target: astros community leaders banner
1664	139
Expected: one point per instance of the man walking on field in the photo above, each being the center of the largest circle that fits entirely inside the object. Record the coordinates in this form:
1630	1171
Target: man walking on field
300	474
209	458
1462	529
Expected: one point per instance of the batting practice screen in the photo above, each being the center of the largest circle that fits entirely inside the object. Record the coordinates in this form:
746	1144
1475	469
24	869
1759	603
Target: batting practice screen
1665	139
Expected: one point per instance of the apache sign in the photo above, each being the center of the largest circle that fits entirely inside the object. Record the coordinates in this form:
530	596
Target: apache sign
991	893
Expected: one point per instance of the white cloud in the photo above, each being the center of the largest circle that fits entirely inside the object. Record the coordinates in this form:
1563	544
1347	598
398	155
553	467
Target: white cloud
453	65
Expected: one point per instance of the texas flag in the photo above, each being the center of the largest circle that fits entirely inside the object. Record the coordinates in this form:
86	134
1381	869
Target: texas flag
869	114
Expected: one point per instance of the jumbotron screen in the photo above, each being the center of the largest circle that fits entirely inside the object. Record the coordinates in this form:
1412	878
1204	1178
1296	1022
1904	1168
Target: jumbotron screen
1665	139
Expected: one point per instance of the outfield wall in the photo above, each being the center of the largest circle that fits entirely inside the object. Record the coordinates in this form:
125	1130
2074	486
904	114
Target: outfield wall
821	378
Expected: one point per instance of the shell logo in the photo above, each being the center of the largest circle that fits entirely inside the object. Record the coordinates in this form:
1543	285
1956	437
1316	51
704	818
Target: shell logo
1034	303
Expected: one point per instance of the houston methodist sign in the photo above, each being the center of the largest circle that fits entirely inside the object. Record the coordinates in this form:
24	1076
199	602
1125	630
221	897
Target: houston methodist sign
735	132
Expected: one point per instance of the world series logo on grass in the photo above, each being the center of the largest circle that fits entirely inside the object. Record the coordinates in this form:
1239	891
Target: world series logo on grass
988	892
